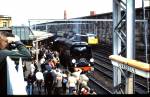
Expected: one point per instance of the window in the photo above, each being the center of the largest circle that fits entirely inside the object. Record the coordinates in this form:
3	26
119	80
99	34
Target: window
4	24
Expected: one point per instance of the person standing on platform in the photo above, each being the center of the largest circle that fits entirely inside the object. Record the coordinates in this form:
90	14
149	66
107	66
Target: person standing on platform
72	81
8	42
32	68
58	84
39	80
77	72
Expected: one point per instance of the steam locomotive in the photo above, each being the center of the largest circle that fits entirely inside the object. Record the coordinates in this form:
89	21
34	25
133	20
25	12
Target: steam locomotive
74	53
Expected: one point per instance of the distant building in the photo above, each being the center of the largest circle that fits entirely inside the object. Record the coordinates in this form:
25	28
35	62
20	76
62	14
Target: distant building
5	23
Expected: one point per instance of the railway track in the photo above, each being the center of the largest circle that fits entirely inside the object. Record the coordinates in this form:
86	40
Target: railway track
103	65
100	88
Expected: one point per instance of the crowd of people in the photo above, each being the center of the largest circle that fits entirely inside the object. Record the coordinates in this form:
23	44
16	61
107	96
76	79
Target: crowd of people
57	80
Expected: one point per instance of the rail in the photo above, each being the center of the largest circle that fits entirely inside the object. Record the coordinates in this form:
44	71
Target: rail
133	63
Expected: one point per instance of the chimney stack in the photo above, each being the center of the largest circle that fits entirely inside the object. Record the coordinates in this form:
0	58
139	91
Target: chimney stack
65	14
92	13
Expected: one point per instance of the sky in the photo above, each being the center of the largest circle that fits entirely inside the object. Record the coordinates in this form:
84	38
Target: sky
23	10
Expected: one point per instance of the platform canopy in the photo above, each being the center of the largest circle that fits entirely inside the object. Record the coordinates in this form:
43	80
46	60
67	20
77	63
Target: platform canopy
40	35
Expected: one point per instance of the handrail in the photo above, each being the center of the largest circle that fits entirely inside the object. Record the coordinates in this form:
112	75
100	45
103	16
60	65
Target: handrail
133	63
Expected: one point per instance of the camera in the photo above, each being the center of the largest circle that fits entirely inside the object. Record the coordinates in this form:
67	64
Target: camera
11	46
14	42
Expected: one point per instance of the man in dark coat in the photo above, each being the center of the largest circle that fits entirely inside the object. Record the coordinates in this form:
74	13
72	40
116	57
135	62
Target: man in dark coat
6	41
49	80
